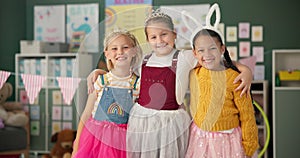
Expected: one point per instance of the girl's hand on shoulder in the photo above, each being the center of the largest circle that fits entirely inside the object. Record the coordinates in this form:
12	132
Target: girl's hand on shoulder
246	79
92	77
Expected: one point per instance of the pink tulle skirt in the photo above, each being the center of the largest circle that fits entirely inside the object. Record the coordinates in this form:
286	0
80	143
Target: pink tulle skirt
204	144
102	139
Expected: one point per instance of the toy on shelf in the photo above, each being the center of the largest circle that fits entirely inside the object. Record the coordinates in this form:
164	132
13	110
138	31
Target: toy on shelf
11	113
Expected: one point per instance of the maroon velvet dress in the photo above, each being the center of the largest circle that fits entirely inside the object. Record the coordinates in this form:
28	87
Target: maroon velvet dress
157	127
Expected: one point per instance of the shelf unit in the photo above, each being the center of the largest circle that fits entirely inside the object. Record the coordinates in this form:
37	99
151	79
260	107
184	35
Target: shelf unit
285	104
260	95
41	116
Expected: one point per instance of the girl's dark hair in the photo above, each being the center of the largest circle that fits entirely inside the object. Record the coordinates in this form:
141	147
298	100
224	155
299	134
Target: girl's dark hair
207	32
228	62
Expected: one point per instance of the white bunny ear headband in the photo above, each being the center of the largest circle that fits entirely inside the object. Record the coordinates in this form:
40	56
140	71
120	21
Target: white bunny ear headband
199	27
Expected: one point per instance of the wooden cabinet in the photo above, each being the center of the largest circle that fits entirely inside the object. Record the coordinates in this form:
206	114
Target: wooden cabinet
49	113
286	106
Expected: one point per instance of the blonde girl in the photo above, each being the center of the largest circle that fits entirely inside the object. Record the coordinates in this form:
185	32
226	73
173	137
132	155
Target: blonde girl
102	128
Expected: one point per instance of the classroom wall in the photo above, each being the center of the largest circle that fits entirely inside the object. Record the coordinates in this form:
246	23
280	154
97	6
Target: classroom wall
281	29
278	18
12	30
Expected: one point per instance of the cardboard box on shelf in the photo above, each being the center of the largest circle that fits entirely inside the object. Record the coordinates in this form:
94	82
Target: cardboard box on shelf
37	47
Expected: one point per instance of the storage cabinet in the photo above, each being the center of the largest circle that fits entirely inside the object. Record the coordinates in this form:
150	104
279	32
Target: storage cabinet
286	105
49	112
260	96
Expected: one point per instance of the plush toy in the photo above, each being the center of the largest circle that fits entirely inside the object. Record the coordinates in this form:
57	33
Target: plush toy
63	146
11	113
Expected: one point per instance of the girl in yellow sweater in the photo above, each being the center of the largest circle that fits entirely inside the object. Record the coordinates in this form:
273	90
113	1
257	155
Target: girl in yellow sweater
223	122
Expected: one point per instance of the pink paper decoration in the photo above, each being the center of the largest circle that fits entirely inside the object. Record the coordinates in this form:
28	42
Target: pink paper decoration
68	87
33	85
250	62
3	77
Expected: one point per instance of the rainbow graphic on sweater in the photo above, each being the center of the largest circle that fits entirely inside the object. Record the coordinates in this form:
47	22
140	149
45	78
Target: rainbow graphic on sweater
114	108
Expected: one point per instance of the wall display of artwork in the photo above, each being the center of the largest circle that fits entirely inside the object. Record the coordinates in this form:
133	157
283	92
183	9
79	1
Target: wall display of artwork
84	18
49	23
244	30
129	15
183	34
244	41
257	34
231	33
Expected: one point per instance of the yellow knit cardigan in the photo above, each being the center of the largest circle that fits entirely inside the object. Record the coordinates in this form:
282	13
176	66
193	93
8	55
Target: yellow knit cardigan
216	106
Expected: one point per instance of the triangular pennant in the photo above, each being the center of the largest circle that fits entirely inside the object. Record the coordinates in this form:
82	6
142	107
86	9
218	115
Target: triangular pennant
33	85
68	87
3	77
250	62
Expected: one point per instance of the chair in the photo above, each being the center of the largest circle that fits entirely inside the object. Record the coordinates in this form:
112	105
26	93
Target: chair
11	141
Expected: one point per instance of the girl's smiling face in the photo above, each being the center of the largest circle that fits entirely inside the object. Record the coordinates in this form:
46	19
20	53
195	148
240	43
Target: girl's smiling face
120	51
161	38
208	51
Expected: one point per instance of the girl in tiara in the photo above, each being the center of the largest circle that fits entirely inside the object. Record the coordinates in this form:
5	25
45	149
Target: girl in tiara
158	126
102	127
223	122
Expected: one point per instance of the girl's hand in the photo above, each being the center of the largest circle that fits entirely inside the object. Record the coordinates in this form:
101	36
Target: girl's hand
246	78
92	77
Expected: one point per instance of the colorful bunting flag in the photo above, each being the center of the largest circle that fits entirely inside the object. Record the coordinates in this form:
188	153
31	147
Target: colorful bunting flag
3	77
33	85
250	62
68	87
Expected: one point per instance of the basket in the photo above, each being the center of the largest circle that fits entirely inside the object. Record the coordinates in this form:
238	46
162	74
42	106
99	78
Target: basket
289	75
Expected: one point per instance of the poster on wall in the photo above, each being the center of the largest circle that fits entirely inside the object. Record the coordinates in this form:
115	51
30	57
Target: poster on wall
56	127
49	23
183	34
84	18
129	15
244	30
35	128
231	34
257	33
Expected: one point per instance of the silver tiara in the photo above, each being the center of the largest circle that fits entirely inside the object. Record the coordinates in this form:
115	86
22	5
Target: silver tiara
115	31
157	13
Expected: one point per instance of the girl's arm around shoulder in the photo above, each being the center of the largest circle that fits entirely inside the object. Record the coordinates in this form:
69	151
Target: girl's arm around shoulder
136	89
245	76
185	63
92	77
187	58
